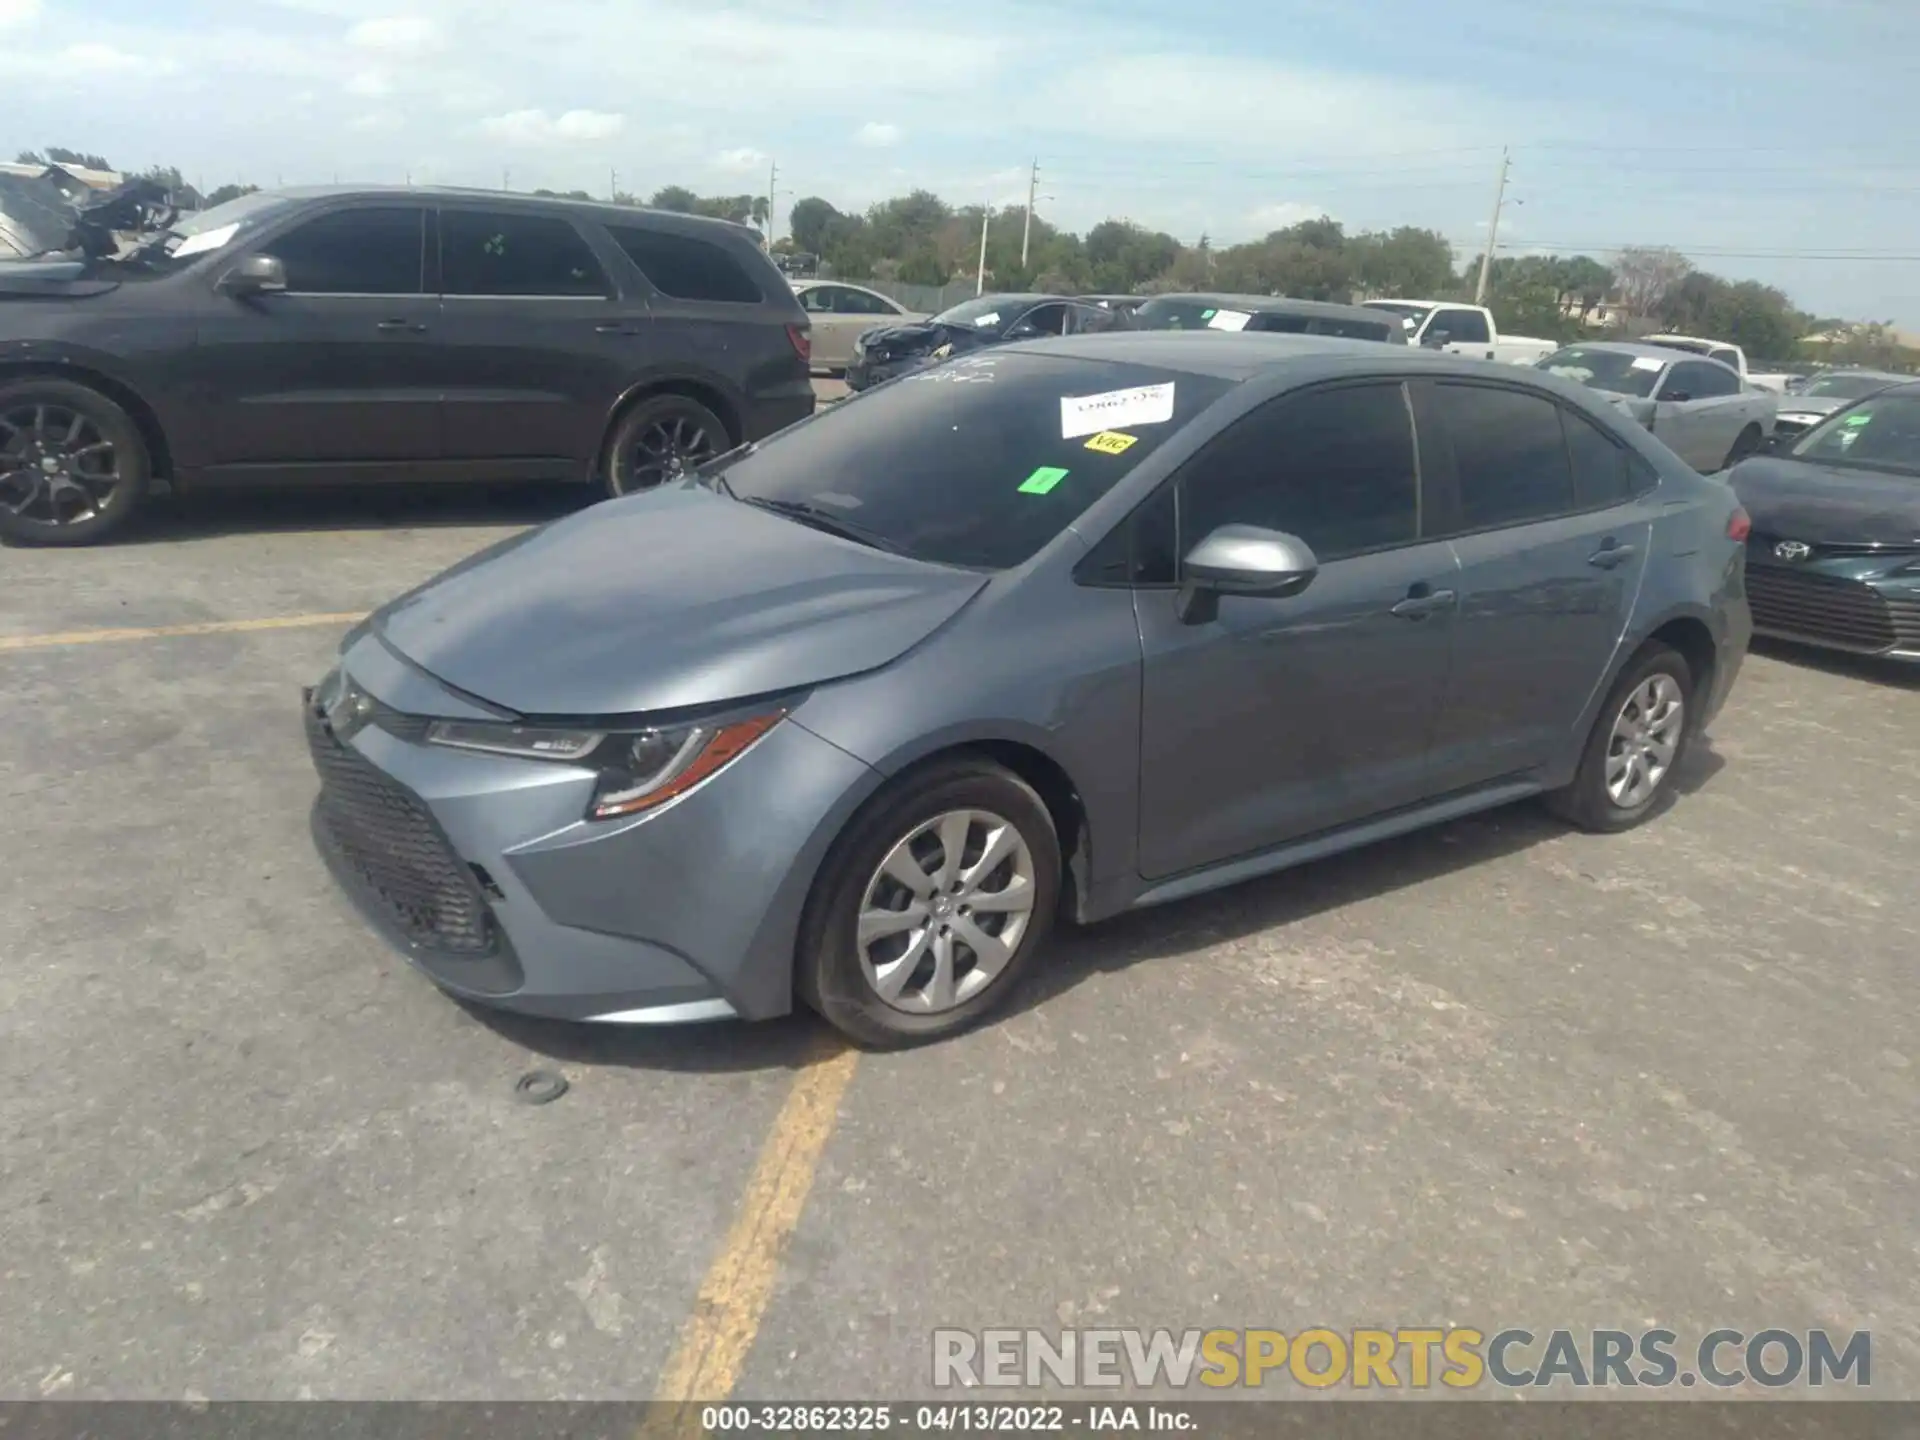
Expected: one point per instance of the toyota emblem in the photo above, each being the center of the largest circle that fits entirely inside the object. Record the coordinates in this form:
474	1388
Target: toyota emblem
1792	550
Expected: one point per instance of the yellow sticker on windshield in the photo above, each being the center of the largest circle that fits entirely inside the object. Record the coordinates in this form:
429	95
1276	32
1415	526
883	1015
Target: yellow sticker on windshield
1111	442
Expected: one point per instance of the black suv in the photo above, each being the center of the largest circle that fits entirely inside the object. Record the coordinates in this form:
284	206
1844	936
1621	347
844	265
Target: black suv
368	335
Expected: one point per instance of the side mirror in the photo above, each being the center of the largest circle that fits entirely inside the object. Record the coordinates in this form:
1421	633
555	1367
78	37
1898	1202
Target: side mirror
1676	397
255	275
1242	560
1436	339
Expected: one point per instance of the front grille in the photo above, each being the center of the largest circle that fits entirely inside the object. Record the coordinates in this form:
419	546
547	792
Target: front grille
1842	613
385	840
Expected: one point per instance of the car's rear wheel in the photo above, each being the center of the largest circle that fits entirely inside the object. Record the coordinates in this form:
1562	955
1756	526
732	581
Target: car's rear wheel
1747	443
661	438
932	906
73	468
1638	741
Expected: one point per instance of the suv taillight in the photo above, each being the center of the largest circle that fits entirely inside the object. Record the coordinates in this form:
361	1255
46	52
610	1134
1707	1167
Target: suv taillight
1739	525
802	342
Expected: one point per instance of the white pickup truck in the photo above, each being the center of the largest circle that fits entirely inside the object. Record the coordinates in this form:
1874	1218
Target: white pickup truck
1726	353
1463	330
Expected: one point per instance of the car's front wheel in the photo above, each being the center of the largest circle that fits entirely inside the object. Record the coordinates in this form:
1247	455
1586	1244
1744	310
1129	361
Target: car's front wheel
661	438
932	906
73	468
1637	743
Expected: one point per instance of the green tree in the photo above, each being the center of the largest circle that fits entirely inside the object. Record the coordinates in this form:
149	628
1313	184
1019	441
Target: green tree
676	198
811	222
229	192
1406	261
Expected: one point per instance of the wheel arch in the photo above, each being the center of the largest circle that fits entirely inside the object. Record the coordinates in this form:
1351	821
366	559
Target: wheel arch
715	396
152	434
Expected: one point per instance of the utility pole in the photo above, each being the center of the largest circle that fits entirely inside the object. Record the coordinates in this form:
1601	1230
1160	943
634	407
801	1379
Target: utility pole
1493	230
980	278
1026	231
506	178
773	191
613	184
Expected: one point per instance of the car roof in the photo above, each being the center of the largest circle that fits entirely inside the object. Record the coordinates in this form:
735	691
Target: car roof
604	210
1666	355
1241	355
1278	305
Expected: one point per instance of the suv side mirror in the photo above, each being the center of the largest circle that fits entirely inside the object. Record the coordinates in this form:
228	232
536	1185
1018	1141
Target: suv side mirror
1436	339
255	275
1242	560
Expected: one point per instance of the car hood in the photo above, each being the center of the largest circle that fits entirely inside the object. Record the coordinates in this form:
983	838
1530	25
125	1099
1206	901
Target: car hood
1828	505
674	599
923	337
1811	404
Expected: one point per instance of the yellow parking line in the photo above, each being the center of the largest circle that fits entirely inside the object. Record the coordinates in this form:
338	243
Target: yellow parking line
716	1338
157	632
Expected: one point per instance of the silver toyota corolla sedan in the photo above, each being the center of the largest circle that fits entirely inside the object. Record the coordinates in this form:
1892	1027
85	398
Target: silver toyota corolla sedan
1079	626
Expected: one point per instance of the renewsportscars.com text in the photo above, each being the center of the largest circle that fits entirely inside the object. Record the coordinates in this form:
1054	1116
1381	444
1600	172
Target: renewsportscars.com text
1414	1357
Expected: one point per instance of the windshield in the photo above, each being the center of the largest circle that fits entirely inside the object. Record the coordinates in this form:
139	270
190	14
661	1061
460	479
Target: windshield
980	462
1172	313
1617	372
1882	433
1845	387
1403	309
206	231
984	312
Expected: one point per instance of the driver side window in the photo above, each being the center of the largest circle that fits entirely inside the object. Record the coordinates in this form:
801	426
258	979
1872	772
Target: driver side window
1333	466
1042	320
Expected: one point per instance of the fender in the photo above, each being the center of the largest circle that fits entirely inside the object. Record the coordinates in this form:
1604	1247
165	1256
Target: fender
685	374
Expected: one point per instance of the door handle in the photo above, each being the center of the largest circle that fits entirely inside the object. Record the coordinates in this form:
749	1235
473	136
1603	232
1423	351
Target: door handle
1422	602
1610	555
409	325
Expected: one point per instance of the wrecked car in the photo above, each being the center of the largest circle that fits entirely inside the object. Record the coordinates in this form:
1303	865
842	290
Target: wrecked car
971	325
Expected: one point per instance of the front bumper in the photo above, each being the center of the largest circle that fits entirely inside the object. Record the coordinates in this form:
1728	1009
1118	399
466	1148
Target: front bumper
1849	603
480	870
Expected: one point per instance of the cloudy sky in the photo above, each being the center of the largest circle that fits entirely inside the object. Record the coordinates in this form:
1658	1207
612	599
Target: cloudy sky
1768	138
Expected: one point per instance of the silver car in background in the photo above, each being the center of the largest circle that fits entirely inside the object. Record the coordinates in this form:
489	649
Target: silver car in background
841	313
1827	392
1699	408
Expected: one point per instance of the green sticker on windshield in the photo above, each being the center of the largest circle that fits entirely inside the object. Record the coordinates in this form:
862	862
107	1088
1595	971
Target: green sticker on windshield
1206	314
1856	419
1042	480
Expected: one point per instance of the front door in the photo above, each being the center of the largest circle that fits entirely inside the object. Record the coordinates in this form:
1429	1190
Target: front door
1283	717
1699	412
539	341
1467	332
1552	541
840	315
342	370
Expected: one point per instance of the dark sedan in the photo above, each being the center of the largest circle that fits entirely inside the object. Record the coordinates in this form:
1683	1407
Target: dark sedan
1267	314
1834	558
372	335
972	325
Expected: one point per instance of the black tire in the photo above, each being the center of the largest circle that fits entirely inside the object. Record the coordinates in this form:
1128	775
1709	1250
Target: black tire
658	424
830	973
102	463
1587	802
1746	443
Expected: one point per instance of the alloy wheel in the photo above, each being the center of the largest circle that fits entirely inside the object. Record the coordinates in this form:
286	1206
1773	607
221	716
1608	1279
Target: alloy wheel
665	449
946	911
1645	739
57	465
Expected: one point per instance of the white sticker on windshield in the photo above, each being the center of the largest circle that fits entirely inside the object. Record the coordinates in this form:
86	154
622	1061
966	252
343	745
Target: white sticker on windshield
1115	410
982	321
1647	362
1229	320
206	240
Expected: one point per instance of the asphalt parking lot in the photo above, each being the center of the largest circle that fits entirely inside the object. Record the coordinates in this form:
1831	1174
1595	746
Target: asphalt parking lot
1495	1074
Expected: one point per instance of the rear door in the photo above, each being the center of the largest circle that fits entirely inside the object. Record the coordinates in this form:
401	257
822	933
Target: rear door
340	374
1551	541
539	339
840	315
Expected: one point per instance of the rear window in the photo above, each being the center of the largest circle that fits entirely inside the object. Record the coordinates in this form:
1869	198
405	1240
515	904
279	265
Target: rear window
686	267
1173	313
980	462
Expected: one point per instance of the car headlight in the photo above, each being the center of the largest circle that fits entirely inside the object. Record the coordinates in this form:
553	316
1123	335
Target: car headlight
638	769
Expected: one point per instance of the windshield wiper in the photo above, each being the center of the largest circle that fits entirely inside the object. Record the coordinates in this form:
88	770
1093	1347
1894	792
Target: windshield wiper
819	518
